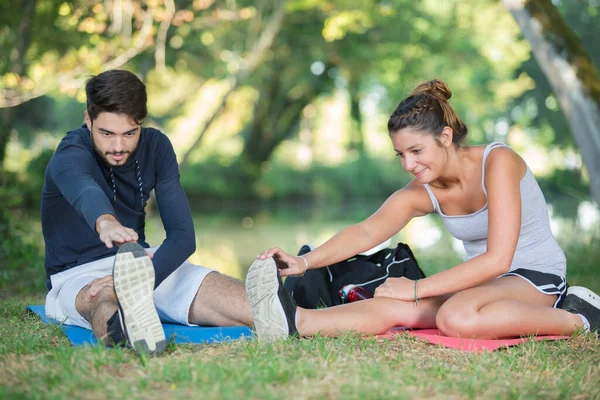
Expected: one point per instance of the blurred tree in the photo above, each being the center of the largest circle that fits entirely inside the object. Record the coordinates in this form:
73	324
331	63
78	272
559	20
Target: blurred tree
200	57
571	73
358	47
583	17
252	59
15	64
50	45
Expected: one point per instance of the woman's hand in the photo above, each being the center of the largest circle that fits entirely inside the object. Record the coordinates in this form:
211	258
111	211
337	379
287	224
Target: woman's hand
288	265
397	288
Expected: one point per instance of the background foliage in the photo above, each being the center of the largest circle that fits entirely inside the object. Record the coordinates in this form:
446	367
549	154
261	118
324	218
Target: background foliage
277	110
278	101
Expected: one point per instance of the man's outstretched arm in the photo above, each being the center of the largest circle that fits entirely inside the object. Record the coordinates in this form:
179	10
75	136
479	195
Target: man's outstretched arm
175	213
71	170
110	230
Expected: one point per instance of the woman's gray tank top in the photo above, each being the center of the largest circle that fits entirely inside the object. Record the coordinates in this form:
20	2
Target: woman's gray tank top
537	248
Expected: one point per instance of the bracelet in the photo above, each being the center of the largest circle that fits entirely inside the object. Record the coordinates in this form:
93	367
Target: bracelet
416	298
305	261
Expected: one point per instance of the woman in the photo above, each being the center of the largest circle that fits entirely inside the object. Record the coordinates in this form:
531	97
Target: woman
513	280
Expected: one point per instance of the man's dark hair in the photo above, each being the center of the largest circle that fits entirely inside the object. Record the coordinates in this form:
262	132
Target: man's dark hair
116	91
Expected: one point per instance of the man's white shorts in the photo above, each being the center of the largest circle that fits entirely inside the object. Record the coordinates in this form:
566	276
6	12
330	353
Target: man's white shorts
172	298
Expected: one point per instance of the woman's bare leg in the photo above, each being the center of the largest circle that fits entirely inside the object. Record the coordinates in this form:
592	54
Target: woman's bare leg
504	307
276	315
370	316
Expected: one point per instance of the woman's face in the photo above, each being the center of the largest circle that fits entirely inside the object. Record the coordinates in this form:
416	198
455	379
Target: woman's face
420	154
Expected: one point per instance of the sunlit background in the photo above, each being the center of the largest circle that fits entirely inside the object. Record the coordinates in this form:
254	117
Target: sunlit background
277	109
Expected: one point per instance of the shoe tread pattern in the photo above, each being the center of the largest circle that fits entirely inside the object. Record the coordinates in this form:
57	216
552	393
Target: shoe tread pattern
133	277
261	285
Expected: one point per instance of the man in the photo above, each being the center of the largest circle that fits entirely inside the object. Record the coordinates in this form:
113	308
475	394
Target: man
93	202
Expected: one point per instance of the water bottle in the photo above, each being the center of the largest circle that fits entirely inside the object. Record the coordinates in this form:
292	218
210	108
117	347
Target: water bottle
351	293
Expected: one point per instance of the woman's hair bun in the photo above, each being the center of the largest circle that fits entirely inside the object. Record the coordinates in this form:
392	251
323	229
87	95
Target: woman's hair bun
436	88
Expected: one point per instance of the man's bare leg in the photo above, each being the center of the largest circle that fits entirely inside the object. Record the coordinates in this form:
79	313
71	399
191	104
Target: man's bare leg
97	310
130	290
221	301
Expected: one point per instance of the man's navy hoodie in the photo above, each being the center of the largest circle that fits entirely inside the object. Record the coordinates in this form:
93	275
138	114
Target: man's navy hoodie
79	187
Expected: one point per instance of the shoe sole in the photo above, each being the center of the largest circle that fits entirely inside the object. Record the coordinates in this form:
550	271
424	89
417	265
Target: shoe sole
133	277
585	294
262	285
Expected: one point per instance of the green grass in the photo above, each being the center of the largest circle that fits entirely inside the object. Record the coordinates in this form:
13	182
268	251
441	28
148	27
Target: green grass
38	362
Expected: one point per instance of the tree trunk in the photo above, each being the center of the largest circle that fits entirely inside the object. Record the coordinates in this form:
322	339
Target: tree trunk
250	64
277	118
571	73
22	42
357	141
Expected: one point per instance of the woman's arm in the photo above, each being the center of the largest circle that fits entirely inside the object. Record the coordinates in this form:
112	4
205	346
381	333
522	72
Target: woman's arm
503	172
392	216
405	204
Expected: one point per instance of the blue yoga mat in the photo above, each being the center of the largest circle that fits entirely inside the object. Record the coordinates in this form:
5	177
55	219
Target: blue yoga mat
182	334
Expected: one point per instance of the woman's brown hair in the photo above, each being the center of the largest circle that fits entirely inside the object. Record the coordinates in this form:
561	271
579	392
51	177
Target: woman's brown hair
426	109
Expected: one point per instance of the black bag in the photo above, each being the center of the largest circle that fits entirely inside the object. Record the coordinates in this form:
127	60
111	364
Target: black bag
319	288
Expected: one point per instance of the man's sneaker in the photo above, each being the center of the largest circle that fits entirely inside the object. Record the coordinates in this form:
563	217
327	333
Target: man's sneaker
580	300
133	277
114	331
273	308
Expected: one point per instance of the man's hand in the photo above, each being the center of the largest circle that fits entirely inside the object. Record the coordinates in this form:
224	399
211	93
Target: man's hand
111	230
95	286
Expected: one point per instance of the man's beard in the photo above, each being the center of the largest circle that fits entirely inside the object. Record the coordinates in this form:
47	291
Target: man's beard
104	155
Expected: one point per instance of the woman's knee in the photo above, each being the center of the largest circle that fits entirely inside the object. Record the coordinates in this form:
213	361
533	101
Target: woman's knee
457	321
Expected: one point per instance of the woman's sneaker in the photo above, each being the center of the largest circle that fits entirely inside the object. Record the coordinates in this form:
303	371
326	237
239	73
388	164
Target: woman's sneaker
273	308
133	277
580	300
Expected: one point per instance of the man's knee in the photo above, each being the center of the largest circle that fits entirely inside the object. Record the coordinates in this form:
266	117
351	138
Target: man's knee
217	284
86	305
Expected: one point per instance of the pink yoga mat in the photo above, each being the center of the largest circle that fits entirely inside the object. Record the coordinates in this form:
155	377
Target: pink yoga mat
434	336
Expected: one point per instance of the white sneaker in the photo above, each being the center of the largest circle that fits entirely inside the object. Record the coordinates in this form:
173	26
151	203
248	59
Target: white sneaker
273	307
580	300
133	277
